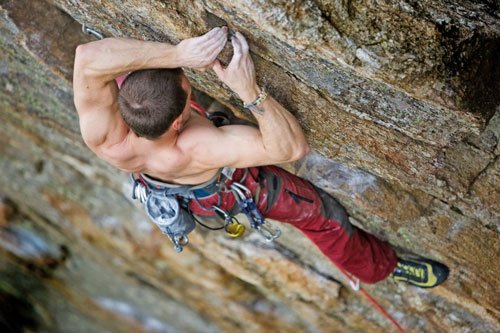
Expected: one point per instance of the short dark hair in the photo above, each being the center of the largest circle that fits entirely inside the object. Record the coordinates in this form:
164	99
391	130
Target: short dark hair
151	99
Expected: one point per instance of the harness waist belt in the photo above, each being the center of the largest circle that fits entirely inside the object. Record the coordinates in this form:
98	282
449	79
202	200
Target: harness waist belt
205	189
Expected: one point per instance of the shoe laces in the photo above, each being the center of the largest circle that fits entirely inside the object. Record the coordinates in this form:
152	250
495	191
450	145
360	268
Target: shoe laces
411	271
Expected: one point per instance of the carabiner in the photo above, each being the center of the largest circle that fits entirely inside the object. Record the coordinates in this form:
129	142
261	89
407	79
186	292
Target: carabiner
238	194
242	187
269	234
180	242
222	213
92	32
140	192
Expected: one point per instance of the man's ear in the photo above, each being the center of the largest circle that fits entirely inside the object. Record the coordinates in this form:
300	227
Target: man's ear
185	85
177	124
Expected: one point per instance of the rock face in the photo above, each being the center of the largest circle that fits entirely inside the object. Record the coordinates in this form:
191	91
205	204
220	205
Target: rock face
400	101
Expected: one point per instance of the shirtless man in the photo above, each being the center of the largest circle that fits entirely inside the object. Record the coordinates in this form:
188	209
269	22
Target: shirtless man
148	127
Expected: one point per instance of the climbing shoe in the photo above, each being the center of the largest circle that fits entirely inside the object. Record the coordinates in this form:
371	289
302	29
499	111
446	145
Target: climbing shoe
423	273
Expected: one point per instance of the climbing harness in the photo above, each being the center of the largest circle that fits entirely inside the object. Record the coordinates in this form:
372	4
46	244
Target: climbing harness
167	205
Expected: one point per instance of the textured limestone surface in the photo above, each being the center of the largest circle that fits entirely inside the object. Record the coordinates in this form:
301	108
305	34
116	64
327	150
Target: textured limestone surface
399	100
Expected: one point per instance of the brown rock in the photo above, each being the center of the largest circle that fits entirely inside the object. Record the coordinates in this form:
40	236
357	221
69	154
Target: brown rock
7	210
397	98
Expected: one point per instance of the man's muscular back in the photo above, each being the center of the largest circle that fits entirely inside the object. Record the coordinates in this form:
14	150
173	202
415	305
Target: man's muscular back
165	159
191	150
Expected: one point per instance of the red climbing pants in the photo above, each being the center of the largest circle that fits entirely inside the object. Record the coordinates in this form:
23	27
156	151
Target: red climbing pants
286	198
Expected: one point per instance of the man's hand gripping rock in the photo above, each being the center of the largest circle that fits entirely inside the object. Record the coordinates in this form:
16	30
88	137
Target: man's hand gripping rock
239	75
200	52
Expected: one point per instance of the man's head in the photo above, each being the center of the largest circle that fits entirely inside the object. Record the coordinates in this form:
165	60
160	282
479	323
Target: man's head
151	100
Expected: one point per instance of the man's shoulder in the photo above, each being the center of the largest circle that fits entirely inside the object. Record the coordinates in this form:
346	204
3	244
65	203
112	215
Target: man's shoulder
122	155
196	136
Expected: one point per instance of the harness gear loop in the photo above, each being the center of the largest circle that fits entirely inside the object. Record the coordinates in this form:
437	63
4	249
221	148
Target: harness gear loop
92	32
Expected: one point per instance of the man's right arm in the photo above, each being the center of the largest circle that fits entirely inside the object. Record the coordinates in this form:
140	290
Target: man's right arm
279	138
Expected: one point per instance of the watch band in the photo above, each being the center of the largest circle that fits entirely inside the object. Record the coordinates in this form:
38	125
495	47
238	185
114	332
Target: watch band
253	106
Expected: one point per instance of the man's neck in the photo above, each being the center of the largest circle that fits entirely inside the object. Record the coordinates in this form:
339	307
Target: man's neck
170	137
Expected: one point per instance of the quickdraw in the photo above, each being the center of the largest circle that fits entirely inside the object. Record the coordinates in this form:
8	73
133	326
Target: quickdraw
255	217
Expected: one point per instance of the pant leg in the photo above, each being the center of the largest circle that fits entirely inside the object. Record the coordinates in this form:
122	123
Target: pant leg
287	198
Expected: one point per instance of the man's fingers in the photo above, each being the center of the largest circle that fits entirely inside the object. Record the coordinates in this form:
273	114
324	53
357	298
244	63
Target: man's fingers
214	34
236	45
236	48
206	37
217	44
217	67
210	34
243	42
236	52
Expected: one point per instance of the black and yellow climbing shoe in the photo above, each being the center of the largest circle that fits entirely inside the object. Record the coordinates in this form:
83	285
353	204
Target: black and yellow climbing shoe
423	273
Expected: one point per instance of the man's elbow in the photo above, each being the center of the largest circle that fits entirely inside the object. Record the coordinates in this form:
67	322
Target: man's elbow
85	54
82	55
296	153
300	152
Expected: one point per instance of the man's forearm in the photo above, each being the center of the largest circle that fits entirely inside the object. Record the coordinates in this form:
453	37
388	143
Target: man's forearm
281	133
111	57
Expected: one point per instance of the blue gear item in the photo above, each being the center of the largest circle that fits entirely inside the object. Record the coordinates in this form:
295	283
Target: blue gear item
249	208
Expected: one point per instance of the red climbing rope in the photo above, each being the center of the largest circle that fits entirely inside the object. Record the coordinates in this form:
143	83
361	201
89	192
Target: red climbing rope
372	300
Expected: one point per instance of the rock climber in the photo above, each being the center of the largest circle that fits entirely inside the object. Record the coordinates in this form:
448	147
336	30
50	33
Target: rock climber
148	127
